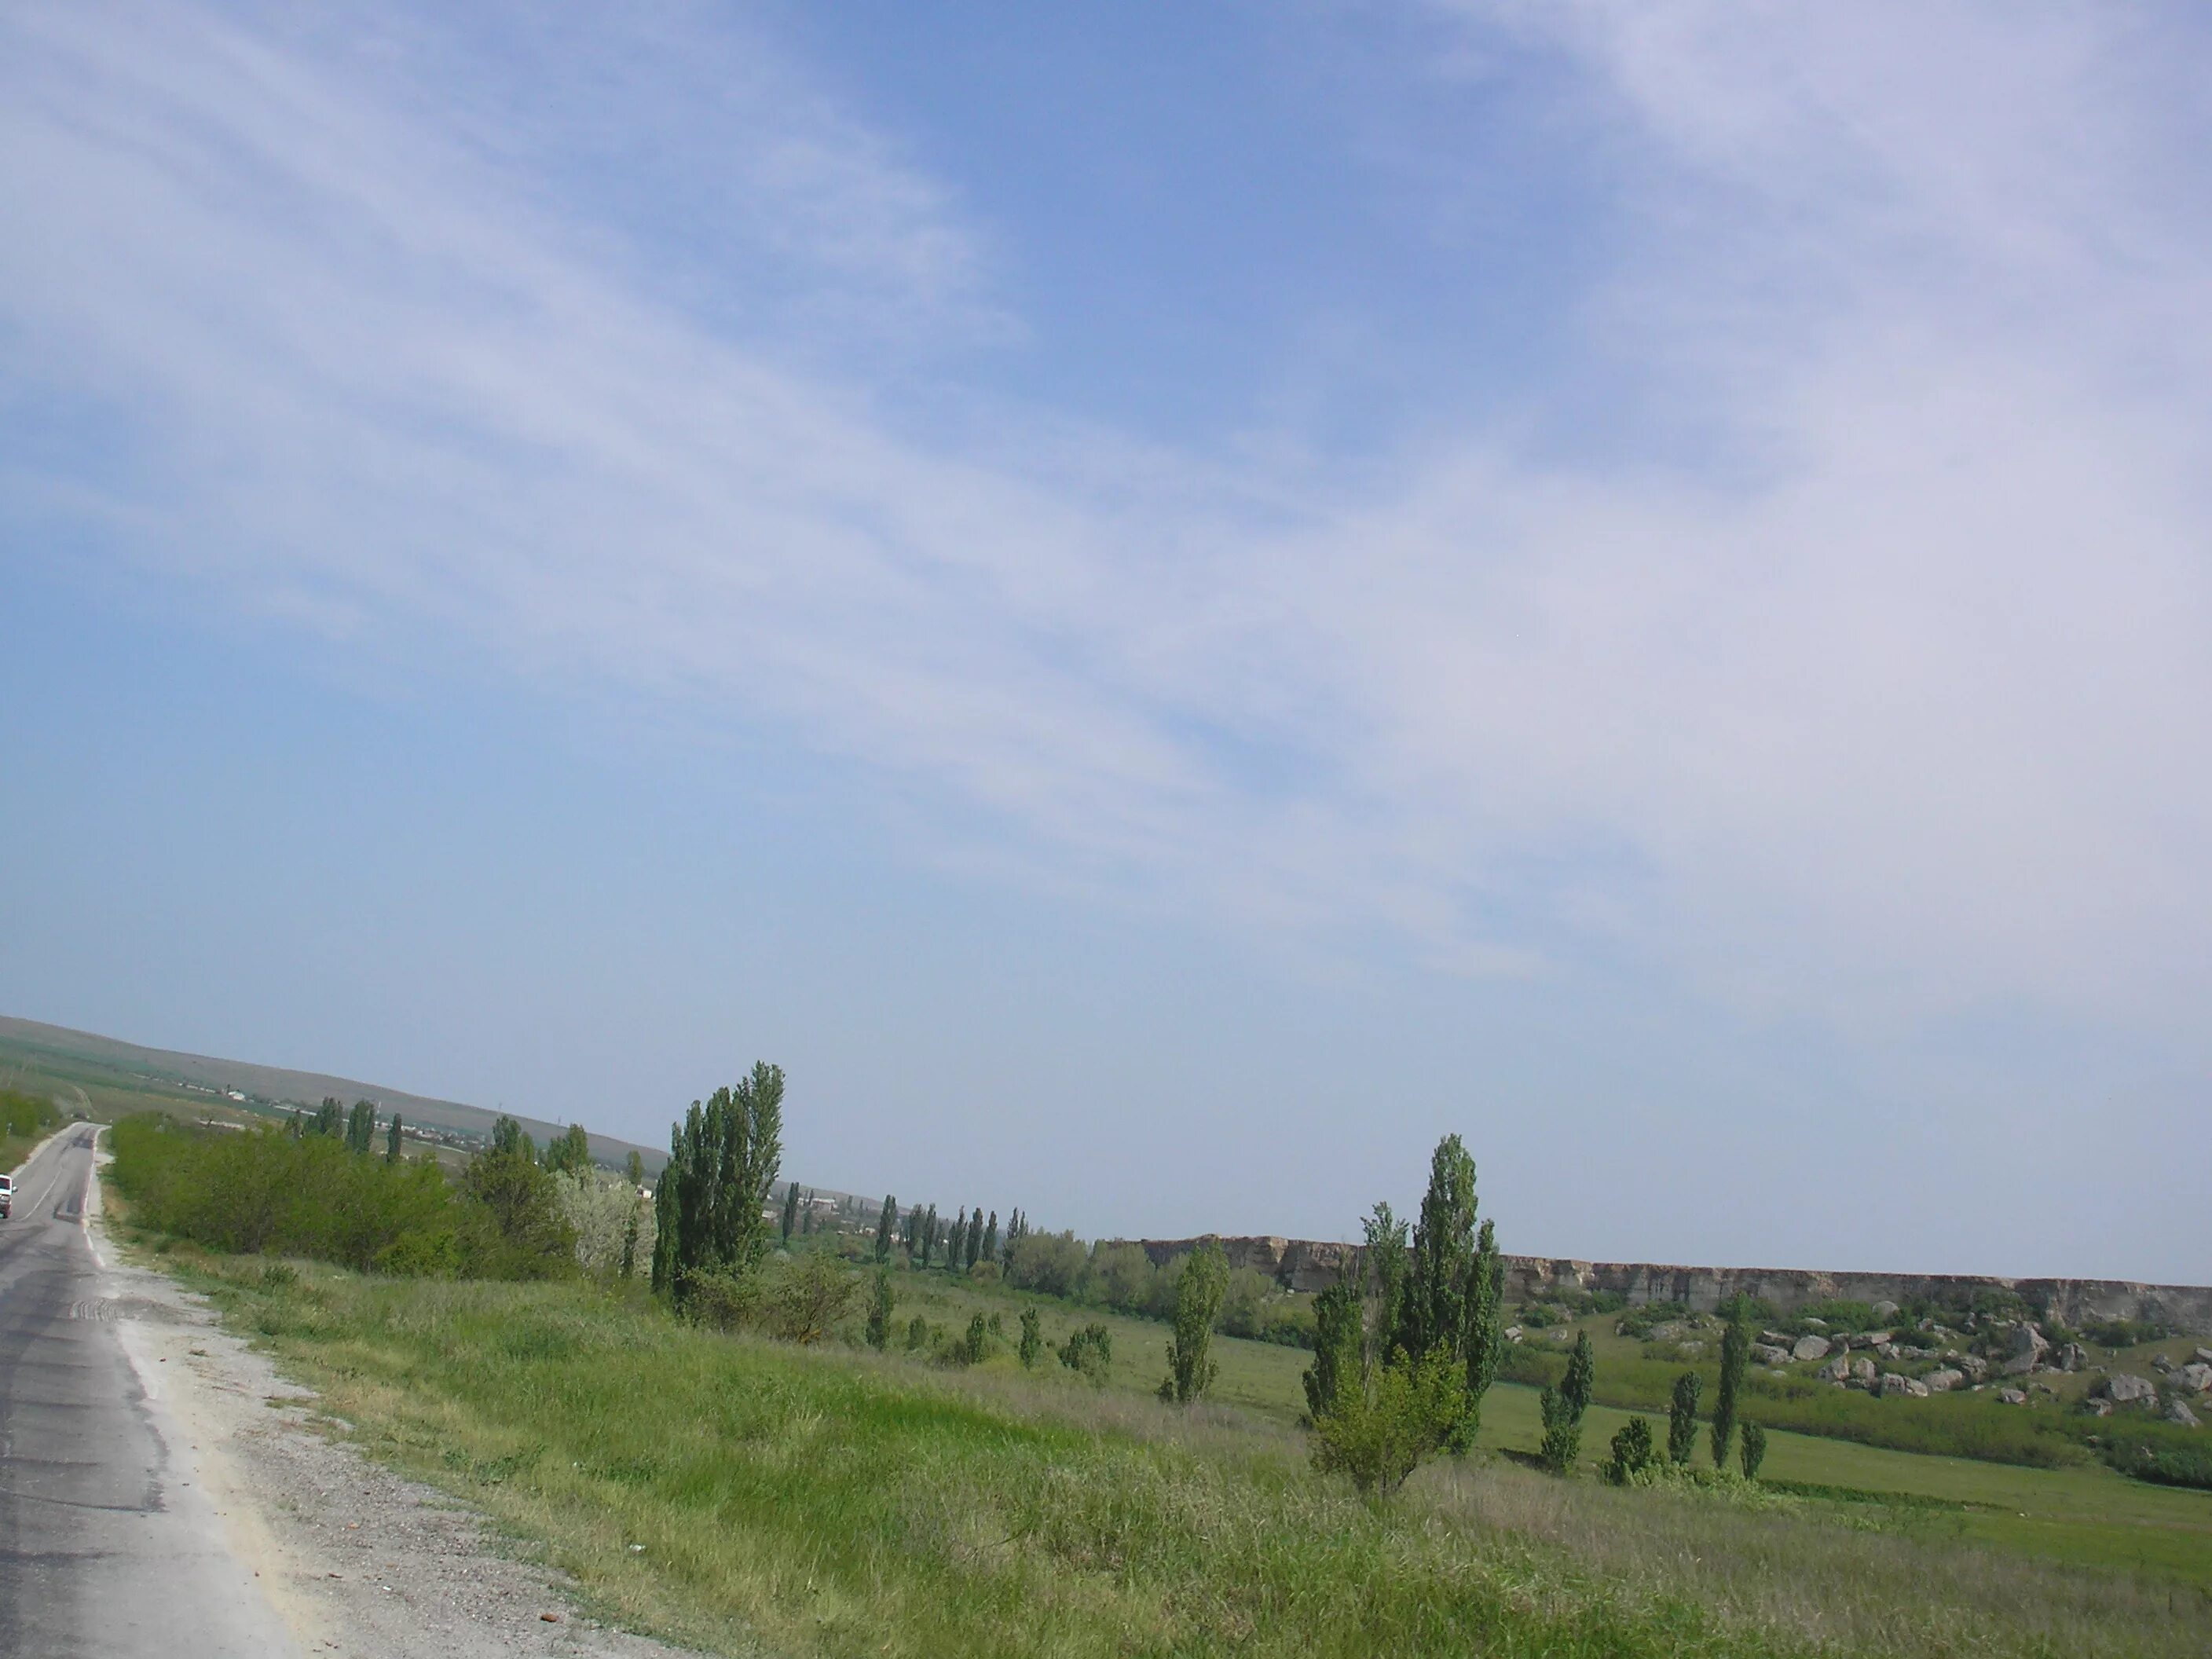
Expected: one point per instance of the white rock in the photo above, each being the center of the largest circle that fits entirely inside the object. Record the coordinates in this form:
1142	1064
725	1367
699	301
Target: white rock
2124	1389
2012	1396
2196	1378
1885	1310
2179	1412
1944	1381
1810	1347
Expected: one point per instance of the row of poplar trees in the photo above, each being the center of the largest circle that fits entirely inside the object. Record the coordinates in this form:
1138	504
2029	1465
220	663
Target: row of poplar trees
357	1126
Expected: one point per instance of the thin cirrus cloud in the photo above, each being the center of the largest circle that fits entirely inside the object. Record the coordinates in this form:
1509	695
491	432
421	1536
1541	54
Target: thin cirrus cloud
1856	663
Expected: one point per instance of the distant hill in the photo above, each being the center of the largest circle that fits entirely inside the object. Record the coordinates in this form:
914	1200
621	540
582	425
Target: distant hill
85	1057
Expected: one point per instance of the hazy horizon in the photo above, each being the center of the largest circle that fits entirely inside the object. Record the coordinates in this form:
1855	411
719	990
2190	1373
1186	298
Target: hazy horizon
1160	607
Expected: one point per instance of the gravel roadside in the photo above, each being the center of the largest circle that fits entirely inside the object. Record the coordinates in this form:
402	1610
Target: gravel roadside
356	1559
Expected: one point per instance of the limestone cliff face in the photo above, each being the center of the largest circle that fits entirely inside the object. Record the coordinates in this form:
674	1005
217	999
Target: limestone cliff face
1304	1264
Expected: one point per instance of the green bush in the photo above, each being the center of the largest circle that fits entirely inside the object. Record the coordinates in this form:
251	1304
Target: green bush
26	1116
1089	1352
1632	1452
268	1192
1050	1263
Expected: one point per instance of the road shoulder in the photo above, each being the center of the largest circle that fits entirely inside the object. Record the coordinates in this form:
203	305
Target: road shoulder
354	1559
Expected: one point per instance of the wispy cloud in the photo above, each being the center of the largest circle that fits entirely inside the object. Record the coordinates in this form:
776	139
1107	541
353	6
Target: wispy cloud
1863	666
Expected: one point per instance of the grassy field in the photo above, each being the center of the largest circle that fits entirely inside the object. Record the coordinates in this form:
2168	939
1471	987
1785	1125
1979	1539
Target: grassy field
2083	1512
829	1501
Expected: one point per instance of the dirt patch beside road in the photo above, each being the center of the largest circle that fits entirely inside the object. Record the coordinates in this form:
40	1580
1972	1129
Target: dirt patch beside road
356	1560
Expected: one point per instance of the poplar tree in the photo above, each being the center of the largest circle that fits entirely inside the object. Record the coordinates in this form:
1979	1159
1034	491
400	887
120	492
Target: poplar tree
1198	1301
391	1141
1486	1332
722	1161
1339	1364
634	1169
1032	1337
1440	1270
1384	1260
360	1127
790	1211
1562	1409
569	1152
1754	1449
880	1307
990	1252
1682	1417
886	1225
329	1119
928	1235
975	1244
1735	1357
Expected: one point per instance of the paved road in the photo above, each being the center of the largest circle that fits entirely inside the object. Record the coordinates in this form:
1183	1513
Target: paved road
107	1551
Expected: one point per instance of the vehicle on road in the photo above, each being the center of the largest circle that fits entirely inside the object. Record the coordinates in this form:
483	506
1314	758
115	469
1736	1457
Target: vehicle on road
7	1196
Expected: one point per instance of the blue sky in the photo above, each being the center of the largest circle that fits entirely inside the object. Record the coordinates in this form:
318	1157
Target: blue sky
1162	606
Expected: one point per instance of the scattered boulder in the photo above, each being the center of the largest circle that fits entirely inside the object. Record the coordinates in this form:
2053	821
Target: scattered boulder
1863	1369
2123	1389
2161	1364
2205	1356
2073	1358
1810	1347
2197	1377
1896	1383
1944	1381
1776	1339
1972	1364
1869	1338
1817	1324
1885	1310
1766	1353
2178	1412
2013	1396
2026	1339
1837	1370
2097	1407
1512	1333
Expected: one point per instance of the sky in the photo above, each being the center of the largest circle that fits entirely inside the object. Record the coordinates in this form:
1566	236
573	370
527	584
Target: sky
1163	603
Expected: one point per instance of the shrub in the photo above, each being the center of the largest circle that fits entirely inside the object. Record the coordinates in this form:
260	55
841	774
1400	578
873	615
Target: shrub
976	1344
1339	1339
1381	1433
917	1335
1562	1409
1089	1353
1632	1451
24	1116
1032	1343
804	1297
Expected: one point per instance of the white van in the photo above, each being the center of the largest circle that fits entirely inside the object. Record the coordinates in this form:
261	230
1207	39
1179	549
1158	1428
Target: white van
7	1196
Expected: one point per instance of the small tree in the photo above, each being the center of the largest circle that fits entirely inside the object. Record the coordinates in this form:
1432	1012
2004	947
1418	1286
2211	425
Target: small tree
886	1224
392	1140
879	1309
629	1233
1379	1433
1032	1346
361	1129
1682	1417
329	1119
1735	1358
978	1340
1754	1449
971	1245
1440	1271
1631	1451
722	1161
1338	1364
1562	1409
917	1335
569	1152
790	1211
1198	1300
990	1251
634	1170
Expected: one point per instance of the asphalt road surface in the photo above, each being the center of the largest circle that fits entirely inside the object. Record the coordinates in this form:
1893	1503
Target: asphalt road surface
107	1550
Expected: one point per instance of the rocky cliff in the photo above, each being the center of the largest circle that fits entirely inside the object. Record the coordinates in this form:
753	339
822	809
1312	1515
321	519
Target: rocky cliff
1303	1264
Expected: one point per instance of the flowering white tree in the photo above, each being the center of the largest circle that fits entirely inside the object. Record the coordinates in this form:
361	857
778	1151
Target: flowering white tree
603	1210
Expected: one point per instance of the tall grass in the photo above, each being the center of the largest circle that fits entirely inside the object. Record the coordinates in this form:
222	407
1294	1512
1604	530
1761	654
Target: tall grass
823	1501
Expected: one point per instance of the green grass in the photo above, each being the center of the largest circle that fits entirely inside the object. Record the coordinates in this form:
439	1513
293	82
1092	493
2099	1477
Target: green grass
2081	1512
829	1501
